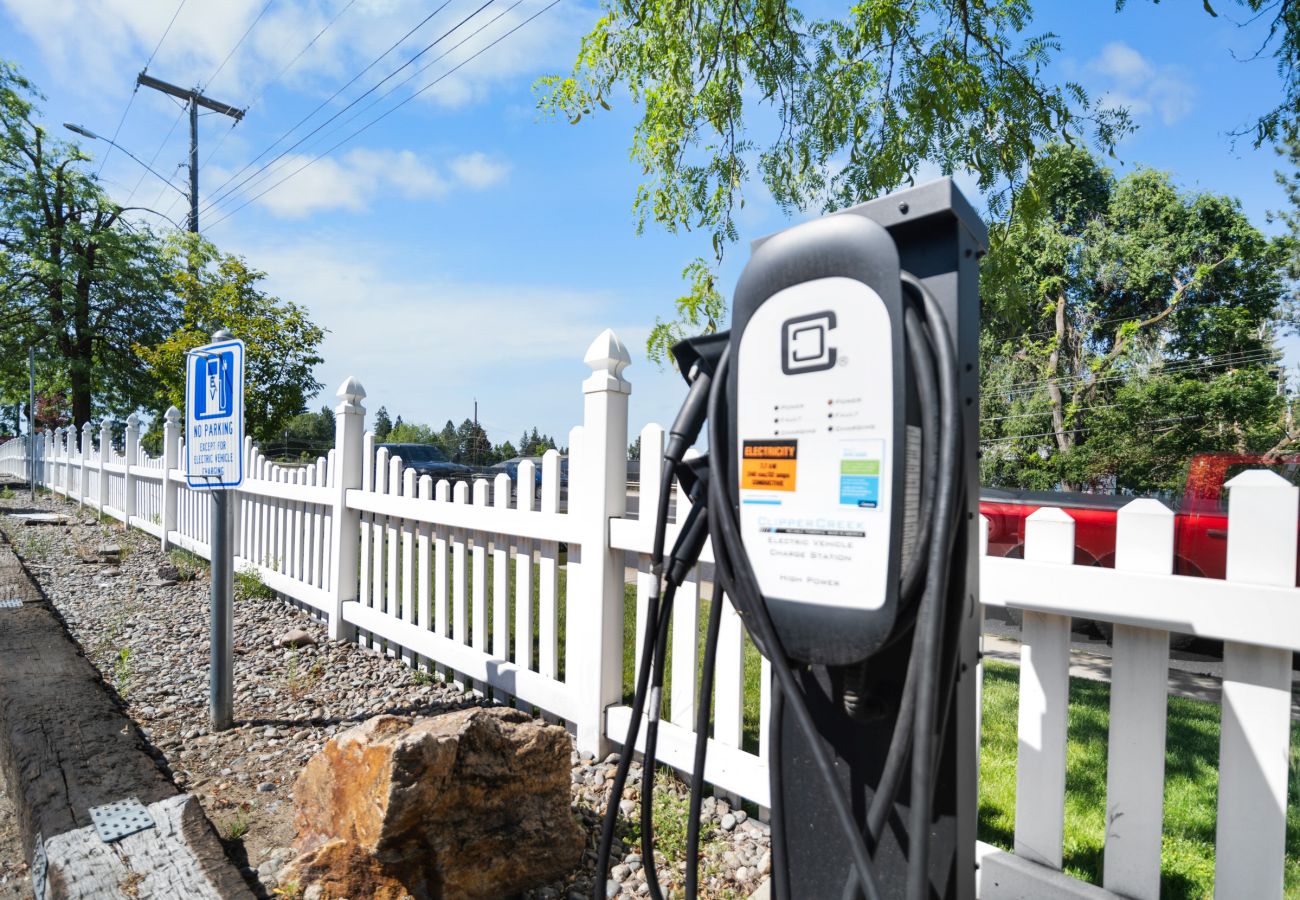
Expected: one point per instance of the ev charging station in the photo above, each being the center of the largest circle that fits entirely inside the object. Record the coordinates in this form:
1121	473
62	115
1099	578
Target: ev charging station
841	497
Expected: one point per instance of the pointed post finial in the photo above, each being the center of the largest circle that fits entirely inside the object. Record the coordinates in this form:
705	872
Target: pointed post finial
607	357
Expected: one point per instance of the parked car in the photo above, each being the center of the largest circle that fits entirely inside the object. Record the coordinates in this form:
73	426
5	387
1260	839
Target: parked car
1200	515
428	459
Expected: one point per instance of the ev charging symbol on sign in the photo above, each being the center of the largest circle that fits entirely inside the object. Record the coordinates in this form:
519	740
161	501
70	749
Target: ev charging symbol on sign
214	415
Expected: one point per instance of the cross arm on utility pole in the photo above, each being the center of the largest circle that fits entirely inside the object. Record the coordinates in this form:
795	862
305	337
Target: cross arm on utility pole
189	94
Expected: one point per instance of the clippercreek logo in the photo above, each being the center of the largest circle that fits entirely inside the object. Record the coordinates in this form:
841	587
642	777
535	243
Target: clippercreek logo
805	343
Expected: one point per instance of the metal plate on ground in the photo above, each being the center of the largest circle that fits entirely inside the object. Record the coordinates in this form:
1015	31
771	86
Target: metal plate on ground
116	820
10	602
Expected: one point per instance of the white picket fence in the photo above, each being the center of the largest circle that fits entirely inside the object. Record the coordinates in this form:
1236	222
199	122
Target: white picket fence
514	597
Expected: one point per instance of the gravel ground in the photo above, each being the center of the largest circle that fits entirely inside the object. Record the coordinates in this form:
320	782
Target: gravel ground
148	636
15	881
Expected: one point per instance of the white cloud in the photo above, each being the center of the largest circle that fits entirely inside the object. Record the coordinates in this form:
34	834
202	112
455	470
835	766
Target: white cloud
94	45
477	171
355	179
427	345
1130	80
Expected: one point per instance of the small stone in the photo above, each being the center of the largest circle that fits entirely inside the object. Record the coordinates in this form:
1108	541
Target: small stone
741	815
620	872
627	807
611	888
295	637
265	787
728	822
611	760
742	874
633	861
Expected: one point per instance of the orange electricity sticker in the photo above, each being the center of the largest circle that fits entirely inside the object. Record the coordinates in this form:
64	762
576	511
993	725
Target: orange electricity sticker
768	465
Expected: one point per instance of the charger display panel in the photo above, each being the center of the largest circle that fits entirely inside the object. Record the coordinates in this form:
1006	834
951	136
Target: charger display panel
817	427
815	444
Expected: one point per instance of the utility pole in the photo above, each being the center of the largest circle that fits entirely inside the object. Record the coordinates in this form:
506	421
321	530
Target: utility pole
195	99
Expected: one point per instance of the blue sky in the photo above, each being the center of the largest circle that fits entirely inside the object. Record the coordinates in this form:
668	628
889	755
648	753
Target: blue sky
465	247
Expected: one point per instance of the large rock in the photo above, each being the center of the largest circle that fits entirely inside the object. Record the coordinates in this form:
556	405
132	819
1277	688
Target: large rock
470	804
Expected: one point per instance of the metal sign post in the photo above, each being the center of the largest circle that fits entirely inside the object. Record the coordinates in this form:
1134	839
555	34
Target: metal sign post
214	461
31	419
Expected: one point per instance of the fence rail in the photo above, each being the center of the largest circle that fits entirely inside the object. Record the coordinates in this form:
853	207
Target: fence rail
519	597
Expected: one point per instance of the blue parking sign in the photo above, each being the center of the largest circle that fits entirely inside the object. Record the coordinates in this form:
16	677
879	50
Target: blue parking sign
214	415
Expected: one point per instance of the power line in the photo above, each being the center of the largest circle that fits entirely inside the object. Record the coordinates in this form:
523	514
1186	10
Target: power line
238	44
1245	357
278	75
356	100
329	99
180	115
136	89
421	70
394	109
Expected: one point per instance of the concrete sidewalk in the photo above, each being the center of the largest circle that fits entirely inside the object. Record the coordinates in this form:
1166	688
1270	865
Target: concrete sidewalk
1191	676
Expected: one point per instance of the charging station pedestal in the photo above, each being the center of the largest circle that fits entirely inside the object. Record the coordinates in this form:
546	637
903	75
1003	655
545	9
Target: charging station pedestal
939	239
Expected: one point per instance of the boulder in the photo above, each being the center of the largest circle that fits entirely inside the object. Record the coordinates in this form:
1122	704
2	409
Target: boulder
470	804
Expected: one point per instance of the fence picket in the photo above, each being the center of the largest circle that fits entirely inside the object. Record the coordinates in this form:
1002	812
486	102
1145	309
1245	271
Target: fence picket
525	477
478	577
408	564
460	595
548	573
1255	737
501	574
1044	692
685	651
1144	542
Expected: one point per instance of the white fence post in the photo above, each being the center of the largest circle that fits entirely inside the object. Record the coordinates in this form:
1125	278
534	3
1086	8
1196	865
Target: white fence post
1254	743
171	459
65	474
1044	695
1139	670
345	537
48	469
105	457
69	445
129	459
597	493
87	445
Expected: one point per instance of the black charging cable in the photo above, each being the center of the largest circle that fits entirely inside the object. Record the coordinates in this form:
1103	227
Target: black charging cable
681	435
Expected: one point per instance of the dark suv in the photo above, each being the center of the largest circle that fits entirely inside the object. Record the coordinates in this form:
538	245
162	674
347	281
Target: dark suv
427	459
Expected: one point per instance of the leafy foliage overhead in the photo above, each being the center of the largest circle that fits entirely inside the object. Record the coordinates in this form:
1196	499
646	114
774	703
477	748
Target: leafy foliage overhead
826	112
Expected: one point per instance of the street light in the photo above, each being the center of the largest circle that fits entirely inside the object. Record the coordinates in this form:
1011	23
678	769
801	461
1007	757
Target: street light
86	132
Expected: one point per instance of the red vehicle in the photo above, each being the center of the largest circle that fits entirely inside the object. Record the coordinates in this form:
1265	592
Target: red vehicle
1200	523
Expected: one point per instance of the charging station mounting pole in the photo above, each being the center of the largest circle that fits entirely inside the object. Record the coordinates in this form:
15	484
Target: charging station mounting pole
939	239
214	461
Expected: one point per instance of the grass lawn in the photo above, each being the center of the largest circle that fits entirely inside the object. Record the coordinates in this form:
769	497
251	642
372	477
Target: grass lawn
1191	784
1191	761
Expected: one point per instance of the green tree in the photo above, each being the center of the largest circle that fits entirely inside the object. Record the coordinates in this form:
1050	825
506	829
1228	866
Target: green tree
1127	326
412	433
221	291
825	112
634	449
311	434
383	425
77	280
